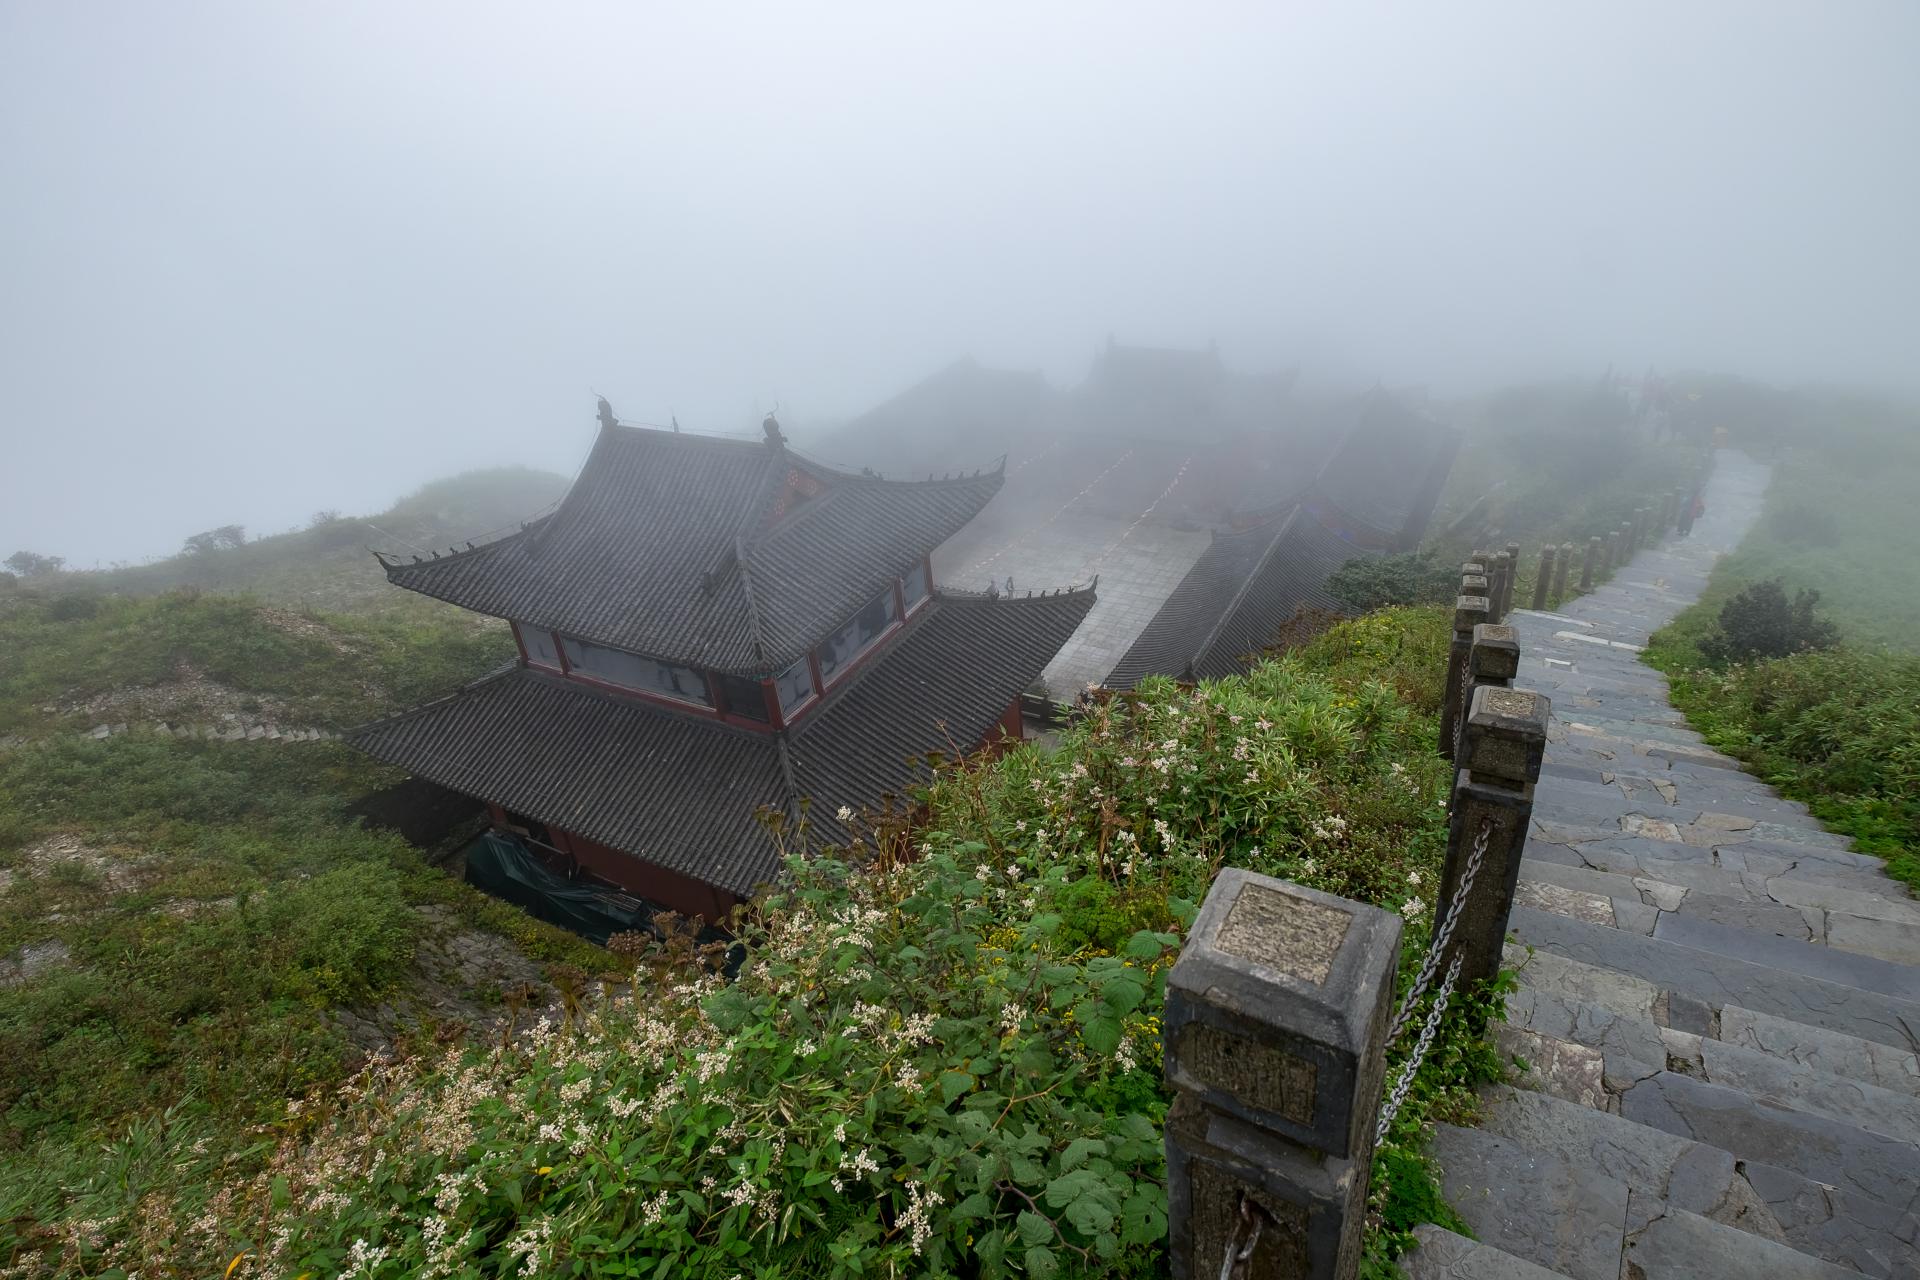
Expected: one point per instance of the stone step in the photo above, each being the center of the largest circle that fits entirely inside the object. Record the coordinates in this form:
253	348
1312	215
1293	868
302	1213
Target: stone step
1835	1223
1790	955
1856	948
1870	1061
1722	979
1816	1147
1794	1086
1442	1255
1766	859
1539	1207
1626	1017
1665	1243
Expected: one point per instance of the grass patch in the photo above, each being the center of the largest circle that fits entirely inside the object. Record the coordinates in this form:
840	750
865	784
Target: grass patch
123	658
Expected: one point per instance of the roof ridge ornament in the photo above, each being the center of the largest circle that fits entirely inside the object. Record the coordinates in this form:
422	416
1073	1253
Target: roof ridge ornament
772	427
607	421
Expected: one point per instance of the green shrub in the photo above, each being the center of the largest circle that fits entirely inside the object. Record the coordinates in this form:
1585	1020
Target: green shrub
1838	729
1762	622
1411	578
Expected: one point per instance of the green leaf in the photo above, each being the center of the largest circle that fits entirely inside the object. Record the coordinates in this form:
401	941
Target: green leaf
1033	1228
1079	1149
953	1084
1100	1027
1145	945
1091	1215
727	1009
1123	992
1069	1187
974	1206
1041	1264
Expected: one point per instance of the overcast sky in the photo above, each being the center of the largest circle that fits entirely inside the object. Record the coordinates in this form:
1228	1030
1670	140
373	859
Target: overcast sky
260	258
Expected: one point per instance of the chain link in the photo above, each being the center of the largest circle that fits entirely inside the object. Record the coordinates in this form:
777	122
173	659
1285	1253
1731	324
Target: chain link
1250	1221
1443	934
1404	1085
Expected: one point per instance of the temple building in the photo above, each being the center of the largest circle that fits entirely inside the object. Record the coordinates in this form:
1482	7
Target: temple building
709	628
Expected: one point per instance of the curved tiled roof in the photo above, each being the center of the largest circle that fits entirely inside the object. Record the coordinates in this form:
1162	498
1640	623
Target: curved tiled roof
682	791
733	555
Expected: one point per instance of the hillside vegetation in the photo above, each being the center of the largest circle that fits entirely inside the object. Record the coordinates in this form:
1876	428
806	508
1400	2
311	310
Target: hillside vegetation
191	930
931	1053
1838	727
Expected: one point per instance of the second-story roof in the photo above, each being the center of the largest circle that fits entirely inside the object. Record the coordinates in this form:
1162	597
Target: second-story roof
733	555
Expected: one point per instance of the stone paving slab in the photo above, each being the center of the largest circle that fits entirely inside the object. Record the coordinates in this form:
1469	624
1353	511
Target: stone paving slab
1665	1243
1442	1255
1540	1208
1818	1147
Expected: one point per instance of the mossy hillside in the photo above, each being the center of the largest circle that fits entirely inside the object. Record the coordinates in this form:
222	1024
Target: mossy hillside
326	565
189	655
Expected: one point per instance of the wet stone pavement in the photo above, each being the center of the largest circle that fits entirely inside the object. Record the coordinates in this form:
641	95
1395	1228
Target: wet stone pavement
1719	1004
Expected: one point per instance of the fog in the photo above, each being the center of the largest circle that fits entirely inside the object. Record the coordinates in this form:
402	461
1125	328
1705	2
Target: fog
261	259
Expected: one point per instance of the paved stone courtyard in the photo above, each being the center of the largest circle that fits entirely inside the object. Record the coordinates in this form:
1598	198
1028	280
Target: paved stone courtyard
1720	1004
1138	562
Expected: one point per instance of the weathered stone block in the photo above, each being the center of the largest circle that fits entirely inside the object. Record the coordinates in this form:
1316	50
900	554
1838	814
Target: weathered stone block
1506	735
1496	652
1277	1010
1310	1207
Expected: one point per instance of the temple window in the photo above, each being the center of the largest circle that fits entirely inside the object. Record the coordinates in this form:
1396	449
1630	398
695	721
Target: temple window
746	697
539	646
633	671
914	588
796	687
858	635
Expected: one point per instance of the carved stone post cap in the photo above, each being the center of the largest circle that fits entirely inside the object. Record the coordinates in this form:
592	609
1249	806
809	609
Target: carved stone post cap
1473	584
1496	652
1506	734
1469	612
1277	1009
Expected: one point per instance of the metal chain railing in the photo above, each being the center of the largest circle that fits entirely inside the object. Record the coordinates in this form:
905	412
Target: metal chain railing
1463	682
1404	1084
1442	934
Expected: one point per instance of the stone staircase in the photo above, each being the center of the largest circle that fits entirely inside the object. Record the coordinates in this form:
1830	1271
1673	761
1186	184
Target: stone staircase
1719	1004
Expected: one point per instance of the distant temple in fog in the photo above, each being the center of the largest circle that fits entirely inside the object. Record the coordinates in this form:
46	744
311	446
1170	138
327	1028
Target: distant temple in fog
1213	504
712	627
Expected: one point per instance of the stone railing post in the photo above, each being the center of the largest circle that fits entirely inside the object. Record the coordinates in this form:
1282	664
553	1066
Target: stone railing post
1686	511
1609	551
1586	566
1543	581
1504	742
1468	613
1560	567
1513	577
1499	584
1275	1033
1493	659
